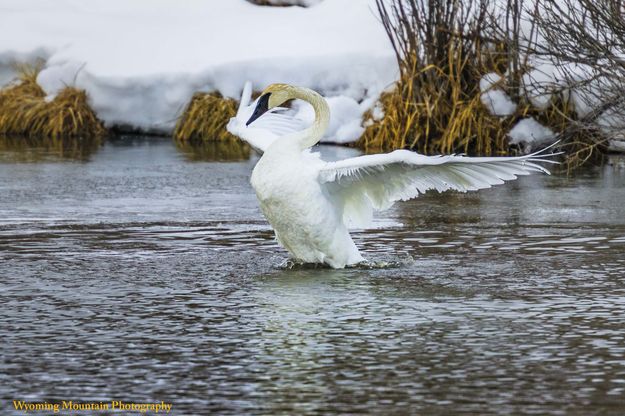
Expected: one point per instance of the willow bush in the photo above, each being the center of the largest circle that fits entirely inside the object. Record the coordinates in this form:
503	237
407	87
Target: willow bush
586	40
442	49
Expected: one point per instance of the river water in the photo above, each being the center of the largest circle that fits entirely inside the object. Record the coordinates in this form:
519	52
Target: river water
143	271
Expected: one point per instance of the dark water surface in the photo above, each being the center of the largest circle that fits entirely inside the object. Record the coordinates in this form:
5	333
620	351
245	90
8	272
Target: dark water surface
140	271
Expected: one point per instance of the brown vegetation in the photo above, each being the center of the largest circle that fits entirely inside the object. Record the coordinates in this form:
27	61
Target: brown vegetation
442	49
25	111
205	118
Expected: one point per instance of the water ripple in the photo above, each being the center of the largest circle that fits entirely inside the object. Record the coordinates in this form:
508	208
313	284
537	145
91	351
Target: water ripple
509	301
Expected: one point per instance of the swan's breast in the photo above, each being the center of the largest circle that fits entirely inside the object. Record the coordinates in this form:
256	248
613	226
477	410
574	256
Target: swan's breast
283	176
290	196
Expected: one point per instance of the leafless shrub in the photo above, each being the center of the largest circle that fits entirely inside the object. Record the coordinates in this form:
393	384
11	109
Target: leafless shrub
585	40
442	48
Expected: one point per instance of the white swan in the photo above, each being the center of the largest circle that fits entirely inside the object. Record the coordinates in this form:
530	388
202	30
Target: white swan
310	203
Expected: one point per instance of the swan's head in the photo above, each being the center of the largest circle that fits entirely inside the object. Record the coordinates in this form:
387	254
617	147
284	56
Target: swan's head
271	97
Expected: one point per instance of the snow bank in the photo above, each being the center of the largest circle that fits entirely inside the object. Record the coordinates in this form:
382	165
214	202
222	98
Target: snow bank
141	60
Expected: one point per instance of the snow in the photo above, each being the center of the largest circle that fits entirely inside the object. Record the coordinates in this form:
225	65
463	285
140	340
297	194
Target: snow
489	80
494	99
570	80
530	134
140	61
617	144
498	103
539	84
345	118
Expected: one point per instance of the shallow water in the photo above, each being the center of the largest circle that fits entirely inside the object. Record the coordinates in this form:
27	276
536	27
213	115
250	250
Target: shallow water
140	271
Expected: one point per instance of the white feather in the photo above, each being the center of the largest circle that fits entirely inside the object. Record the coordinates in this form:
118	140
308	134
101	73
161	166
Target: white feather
311	203
272	125
400	175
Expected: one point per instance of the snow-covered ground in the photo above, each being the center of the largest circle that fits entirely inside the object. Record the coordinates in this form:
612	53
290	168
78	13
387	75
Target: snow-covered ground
141	60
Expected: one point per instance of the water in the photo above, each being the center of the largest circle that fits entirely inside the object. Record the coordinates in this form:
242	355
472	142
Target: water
139	271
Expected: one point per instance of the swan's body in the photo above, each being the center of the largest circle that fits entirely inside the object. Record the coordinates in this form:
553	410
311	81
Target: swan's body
306	220
310	203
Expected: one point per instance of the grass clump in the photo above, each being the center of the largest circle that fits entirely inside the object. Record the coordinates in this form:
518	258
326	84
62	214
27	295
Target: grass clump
205	118
437	121
25	111
201	130
442	52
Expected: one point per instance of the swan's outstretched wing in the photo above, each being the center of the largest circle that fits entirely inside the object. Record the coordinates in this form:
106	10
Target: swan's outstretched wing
364	183
265	130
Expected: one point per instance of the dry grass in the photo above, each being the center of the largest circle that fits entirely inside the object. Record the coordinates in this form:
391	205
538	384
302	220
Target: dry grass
435	108
435	123
25	112
205	118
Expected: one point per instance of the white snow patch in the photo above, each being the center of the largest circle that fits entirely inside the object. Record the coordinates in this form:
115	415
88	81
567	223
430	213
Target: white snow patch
489	80
378	111
140	61
617	145
539	85
531	134
496	101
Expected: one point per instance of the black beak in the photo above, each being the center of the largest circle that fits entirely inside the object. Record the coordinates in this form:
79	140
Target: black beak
261	108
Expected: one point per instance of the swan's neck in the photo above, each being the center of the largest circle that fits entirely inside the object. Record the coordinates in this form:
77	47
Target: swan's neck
311	136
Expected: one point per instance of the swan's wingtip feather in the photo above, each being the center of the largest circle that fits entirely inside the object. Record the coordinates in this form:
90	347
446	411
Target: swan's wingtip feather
246	96
232	126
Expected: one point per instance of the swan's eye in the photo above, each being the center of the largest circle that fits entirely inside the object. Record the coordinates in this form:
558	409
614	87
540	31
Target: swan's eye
261	108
